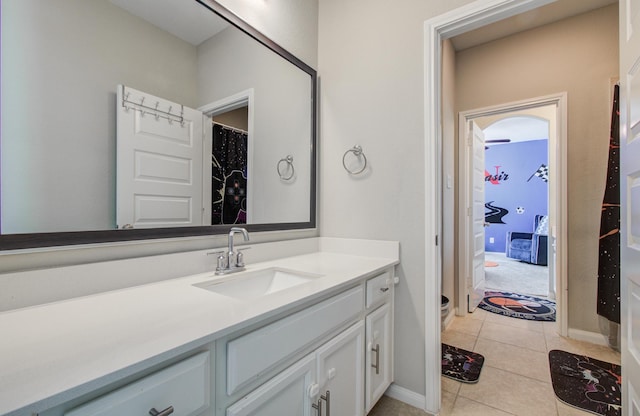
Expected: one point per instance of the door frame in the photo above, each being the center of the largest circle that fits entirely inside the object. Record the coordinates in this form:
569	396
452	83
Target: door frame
455	22
235	101
557	197
466	243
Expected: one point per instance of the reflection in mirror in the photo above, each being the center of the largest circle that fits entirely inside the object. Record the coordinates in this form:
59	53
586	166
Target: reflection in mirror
61	148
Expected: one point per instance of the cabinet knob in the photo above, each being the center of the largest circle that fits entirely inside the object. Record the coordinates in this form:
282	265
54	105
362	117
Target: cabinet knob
165	412
314	389
331	373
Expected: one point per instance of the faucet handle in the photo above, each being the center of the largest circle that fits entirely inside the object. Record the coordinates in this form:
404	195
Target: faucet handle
240	257
221	260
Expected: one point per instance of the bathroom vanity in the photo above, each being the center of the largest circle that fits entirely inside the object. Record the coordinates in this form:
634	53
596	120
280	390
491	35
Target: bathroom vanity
300	335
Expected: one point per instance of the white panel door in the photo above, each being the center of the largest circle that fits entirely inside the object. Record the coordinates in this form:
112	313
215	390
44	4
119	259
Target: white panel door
476	281
159	162
341	373
630	203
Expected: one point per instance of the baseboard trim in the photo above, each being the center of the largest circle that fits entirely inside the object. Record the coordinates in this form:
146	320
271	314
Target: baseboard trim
449	319
406	396
592	337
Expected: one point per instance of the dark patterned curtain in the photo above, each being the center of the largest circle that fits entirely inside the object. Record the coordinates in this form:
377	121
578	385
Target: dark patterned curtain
229	176
609	261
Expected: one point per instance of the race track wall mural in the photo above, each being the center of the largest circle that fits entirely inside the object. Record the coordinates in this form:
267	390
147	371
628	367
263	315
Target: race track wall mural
516	189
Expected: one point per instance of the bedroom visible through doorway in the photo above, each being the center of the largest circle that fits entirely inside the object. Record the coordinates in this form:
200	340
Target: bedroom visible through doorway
522	196
516	203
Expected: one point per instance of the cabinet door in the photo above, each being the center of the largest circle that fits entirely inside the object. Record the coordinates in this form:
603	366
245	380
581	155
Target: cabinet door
379	356
341	373
288	393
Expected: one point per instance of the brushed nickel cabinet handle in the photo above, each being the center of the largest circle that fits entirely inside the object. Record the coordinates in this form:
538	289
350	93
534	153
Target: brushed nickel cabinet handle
318	407
165	412
384	289
327	398
377	364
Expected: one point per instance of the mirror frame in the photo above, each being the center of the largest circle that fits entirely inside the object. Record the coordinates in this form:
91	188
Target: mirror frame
55	239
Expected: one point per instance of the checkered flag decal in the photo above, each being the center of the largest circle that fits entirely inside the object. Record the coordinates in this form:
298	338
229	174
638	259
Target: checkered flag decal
542	173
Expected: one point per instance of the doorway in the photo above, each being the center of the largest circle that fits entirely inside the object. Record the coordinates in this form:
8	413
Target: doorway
520	200
437	29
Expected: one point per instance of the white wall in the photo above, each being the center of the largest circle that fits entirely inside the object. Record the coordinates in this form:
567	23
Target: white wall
371	65
291	24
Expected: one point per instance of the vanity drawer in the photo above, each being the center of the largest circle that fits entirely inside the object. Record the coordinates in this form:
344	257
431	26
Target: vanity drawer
250	355
185	386
378	287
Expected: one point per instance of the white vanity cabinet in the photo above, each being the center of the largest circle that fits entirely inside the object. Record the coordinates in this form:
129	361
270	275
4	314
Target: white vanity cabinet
379	354
328	380
289	393
379	338
341	375
183	388
339	372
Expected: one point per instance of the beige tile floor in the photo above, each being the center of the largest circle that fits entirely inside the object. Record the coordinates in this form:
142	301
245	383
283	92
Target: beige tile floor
515	378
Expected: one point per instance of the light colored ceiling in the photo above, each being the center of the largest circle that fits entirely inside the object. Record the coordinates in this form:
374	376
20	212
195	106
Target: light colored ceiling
517	129
187	20
559	10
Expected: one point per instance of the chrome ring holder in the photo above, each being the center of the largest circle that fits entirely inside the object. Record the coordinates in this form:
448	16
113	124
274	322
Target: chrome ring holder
289	161
357	151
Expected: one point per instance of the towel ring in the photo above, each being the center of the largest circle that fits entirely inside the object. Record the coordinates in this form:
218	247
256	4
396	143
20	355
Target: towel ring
289	161
357	151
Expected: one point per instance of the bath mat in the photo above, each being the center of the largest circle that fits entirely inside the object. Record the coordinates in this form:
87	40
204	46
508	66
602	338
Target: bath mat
586	383
488	263
518	306
461	365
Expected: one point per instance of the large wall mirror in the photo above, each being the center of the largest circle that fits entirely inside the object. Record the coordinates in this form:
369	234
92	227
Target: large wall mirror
139	119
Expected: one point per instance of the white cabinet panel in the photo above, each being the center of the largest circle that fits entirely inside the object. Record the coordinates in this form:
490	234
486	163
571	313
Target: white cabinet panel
341	373
289	393
185	386
256	352
378	288
379	356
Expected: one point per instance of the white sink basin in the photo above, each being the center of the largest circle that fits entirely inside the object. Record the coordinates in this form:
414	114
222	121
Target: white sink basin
257	283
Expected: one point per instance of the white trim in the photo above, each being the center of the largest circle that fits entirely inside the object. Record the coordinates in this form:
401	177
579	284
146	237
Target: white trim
241	99
406	396
587	336
455	22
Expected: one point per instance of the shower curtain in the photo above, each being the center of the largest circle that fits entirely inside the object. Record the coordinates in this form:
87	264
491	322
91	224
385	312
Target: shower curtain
609	260
229	176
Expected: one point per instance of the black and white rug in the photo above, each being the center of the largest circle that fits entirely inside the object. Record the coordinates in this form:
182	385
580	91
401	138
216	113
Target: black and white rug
586	383
519	306
461	365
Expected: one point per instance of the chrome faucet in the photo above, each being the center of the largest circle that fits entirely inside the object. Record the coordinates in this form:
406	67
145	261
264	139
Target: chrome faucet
232	261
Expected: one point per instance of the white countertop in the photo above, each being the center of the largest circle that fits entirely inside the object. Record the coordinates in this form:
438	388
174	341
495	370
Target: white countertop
51	353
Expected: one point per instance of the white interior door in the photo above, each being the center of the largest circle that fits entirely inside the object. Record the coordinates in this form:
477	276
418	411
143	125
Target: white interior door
630	203
159	162
476	212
